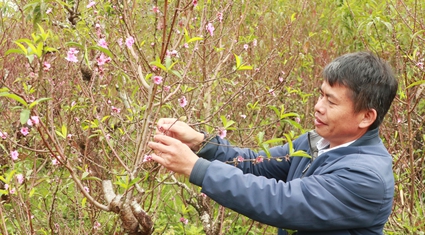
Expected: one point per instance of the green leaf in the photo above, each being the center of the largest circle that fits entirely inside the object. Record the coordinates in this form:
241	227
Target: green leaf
238	61
14	97
286	115
158	64
102	49
23	49
3	192
291	146
186	35
260	137
15	51
83	202
300	153
194	39
275	140
177	73
60	134
39	50
64	131
32	192
105	118
49	49
245	67
74	44
25	115
293	17
416	84
85	174
34	103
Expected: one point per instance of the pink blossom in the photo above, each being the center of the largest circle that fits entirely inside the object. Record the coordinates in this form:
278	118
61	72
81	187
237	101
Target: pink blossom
222	133
210	29
108	136
96	225
182	101
69	136
13	191
220	16
167	88
55	162
20	178
6	186
24	131
46	66
183	220
173	53
245	46
259	159
240	159
49	10
71	58
86	189
243	116
71	55
115	109
186	45
97	26
14	155
280	79
29	122
297	119
157	80
271	91
420	65
195	3
3	135
102	43
254	43
35	120
103	59
91	3
147	158
73	51
129	41
155	9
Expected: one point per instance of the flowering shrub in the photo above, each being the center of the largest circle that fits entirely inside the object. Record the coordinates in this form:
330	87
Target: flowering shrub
83	83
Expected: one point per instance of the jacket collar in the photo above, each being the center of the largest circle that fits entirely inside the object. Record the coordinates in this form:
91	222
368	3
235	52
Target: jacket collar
369	138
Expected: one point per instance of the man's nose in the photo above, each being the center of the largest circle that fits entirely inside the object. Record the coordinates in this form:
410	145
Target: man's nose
318	107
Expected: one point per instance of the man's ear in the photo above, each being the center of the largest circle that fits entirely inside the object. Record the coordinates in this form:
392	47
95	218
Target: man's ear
369	117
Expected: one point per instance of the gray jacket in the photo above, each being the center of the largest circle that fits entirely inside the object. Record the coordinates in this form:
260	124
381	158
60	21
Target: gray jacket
348	190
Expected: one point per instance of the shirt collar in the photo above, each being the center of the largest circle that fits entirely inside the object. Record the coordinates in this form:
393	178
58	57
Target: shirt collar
323	146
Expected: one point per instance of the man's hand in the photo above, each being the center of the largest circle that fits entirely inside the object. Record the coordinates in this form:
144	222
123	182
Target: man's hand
181	131
173	154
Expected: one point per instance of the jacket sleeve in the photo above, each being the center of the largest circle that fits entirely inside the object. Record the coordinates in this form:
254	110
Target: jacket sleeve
220	149
348	198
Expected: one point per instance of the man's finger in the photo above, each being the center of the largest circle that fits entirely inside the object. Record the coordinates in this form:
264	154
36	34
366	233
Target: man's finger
159	147
157	159
166	140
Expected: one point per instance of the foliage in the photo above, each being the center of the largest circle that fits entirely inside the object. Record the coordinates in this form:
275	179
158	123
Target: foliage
82	84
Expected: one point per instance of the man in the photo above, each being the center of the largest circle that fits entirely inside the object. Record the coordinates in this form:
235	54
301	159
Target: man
347	185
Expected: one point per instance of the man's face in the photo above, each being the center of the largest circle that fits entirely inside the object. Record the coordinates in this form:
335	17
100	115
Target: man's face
335	119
